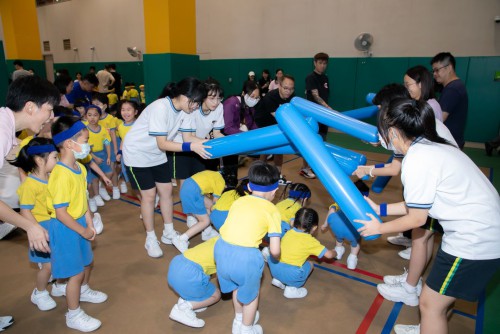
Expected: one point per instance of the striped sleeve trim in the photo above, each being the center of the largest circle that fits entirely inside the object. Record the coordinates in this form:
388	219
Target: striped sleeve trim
322	253
27	206
219	128
270	235
62	205
187	130
158	134
419	206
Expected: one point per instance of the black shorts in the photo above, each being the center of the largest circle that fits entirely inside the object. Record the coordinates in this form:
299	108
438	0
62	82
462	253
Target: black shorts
460	278
144	178
185	164
432	225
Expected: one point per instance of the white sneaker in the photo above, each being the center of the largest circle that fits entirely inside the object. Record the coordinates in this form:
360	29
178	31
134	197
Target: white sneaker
397	293
407	329
43	300
98	225
265	253
92	205
293	292
116	193
307	173
167	236
6	228
82	322
209	233
405	254
277	283
352	261
123	188
98	200
92	296
340	250
174	183
104	194
394	279
399	240
152	245
5	321
181	245
255	329
58	290
191	221
237	324
185	315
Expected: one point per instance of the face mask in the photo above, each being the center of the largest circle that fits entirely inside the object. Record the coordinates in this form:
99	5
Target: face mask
389	146
250	101
85	150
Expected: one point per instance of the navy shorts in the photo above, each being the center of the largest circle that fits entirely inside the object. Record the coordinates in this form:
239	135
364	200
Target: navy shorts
185	164
144	178
460	278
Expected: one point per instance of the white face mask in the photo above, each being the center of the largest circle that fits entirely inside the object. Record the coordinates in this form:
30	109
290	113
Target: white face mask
250	101
388	146
85	150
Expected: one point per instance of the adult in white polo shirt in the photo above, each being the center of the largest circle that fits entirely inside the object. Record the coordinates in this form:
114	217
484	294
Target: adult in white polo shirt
441	181
144	153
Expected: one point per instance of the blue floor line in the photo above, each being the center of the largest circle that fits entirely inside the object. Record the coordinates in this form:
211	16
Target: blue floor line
345	275
391	320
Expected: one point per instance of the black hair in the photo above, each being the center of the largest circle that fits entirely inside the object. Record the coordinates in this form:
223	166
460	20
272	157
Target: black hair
27	161
63	123
389	92
248	88
80	103
265	71
62	71
422	76
287	76
121	103
18	63
263	174
412	118
61	82
279	70
301	188
62	111
190	87
112	66
444	57
91	77
78	73
93	106
240	190
213	87
92	68
321	56
101	97
31	88
306	219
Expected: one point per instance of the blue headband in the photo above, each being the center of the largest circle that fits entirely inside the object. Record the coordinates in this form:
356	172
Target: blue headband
39	149
264	189
67	134
93	106
299	194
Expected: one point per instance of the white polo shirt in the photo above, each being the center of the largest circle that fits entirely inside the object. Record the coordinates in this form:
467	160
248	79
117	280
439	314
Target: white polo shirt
160	118
202	124
445	181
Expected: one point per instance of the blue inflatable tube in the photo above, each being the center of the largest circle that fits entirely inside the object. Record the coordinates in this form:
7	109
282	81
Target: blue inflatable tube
336	120
381	181
362	113
328	171
370	97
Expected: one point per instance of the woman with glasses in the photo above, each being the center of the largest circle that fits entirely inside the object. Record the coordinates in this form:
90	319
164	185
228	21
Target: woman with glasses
144	155
420	84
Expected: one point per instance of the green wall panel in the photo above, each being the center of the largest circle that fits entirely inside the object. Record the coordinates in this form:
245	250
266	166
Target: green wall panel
342	75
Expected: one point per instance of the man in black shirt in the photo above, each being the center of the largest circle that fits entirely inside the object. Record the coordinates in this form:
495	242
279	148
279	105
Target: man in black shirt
117	85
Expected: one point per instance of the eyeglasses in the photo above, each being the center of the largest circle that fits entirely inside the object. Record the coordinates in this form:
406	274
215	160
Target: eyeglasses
435	70
289	89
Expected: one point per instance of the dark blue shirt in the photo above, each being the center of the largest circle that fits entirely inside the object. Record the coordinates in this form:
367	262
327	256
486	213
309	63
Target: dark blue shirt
455	102
78	93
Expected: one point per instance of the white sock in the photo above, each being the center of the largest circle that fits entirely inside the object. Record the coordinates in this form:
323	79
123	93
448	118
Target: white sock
115	188
238	317
409	288
38	291
184	237
151	234
246	329
208	229
72	313
169	227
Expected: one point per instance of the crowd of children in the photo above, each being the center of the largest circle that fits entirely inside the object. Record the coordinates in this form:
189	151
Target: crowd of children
69	166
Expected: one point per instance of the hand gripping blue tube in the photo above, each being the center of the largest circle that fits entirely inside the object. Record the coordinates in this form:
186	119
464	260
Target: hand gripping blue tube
336	120
328	171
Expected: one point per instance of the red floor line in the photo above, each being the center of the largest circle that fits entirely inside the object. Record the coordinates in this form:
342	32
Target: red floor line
370	315
359	271
136	199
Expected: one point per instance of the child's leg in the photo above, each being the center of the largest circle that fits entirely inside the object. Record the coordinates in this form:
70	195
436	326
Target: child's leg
166	202
147	208
95	186
355	250
113	176
73	291
86	273
419	257
43	276
249	311
433	311
203	222
238	307
207	302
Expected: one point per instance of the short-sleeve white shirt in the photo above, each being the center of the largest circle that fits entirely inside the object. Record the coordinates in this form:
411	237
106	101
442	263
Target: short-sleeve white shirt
160	118
7	133
444	180
202	124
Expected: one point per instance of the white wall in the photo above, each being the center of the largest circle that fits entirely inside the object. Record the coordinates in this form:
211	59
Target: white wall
300	28
108	25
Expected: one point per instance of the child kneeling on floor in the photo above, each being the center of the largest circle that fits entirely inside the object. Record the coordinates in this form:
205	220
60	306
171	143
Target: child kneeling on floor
290	273
189	276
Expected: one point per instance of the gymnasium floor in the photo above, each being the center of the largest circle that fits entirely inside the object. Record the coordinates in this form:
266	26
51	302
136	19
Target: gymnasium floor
339	300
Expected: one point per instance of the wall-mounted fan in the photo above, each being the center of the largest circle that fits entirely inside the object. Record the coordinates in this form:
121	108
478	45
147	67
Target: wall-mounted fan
363	43
134	52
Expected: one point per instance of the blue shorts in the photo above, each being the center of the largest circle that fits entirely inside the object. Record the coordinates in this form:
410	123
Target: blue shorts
113	153
239	268
342	228
124	171
36	256
289	274
218	218
70	252
188	279
91	175
193	201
